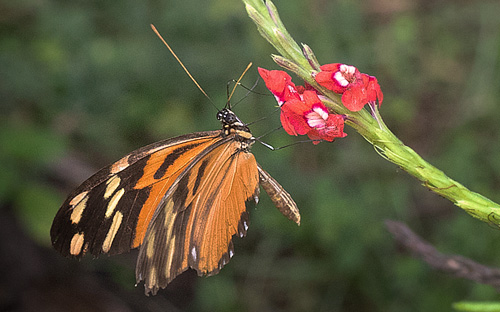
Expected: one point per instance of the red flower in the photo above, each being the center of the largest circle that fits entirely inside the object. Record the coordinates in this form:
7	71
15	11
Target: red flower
357	89
280	84
302	112
310	116
323	125
338	77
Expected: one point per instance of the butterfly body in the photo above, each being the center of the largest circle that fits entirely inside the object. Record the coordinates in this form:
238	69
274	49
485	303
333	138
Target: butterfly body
180	200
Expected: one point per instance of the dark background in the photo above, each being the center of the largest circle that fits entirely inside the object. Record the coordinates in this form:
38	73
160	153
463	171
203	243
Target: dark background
82	83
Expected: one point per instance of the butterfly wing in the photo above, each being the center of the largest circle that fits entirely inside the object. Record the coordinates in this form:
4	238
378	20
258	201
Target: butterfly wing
280	197
110	212
195	221
181	200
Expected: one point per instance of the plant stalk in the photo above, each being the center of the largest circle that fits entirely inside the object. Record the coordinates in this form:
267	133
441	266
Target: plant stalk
370	126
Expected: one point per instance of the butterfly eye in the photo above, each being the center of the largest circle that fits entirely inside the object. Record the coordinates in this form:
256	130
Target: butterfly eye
220	115
227	117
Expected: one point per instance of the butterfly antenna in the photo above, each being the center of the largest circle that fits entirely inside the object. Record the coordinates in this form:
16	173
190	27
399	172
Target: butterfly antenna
228	104
180	62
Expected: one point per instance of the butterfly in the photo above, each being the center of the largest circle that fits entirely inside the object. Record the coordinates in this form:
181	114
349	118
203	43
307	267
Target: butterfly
180	201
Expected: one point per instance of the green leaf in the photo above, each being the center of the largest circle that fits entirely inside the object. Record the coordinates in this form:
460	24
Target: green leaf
477	306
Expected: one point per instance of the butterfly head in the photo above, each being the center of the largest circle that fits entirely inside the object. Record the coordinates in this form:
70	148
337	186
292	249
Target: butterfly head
232	124
227	117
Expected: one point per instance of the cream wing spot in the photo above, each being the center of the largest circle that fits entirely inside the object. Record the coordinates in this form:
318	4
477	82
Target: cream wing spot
154	150
111	186
119	165
152	281
169	216
170	239
76	213
78	198
113	202
151	246
115	225
170	257
76	245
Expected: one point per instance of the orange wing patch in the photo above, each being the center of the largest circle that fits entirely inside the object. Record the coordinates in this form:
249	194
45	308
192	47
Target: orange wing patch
161	170
221	204
198	216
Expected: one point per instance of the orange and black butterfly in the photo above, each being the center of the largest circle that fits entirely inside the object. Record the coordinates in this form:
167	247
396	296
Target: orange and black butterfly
180	200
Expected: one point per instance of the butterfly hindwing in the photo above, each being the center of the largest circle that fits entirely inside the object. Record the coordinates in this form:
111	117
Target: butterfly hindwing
280	197
195	222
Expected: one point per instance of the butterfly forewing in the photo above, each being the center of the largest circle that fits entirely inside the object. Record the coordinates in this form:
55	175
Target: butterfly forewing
110	212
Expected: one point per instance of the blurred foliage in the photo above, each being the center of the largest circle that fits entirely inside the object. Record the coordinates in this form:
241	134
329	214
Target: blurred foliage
90	80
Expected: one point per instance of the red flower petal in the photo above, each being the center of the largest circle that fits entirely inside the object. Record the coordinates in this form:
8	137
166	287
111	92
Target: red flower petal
275	80
355	99
330	67
334	128
324	78
292	117
373	90
280	84
317	116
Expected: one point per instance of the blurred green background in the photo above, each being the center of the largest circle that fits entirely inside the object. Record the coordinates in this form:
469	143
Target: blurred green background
82	83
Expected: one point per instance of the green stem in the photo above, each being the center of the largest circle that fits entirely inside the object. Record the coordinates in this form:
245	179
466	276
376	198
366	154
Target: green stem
391	148
372	128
